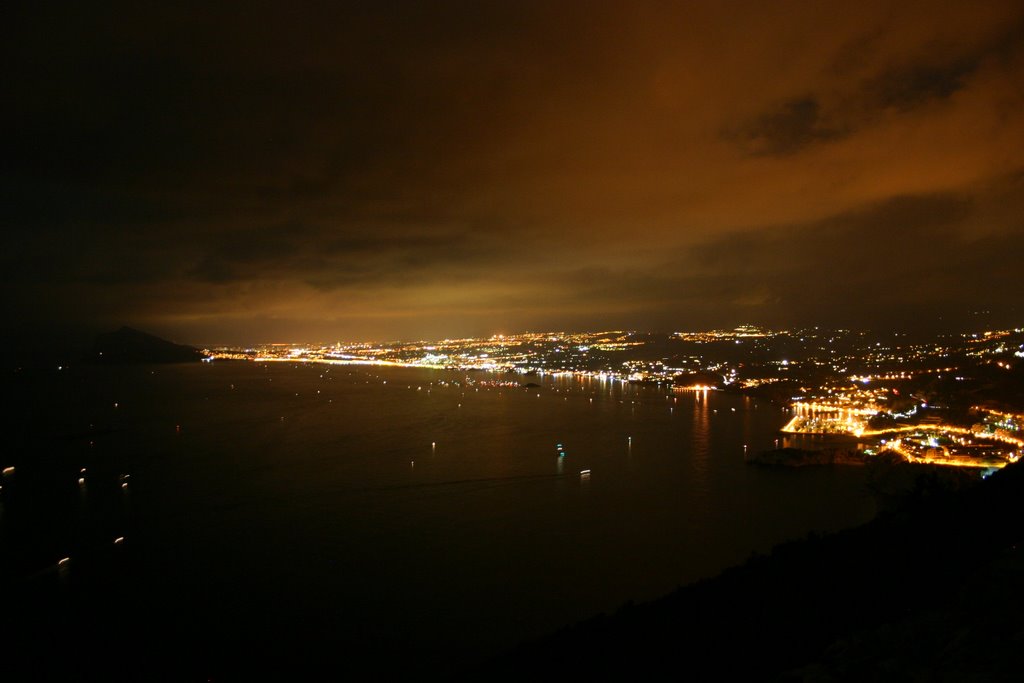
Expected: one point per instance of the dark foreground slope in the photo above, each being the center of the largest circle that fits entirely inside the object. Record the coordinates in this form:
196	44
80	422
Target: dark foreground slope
128	345
934	591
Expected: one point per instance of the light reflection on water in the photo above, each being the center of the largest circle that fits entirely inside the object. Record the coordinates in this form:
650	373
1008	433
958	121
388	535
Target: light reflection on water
294	483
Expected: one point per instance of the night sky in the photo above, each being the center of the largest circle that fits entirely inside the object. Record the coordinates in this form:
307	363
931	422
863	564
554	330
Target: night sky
339	171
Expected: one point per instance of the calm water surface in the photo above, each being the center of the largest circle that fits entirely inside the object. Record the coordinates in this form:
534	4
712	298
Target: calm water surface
423	515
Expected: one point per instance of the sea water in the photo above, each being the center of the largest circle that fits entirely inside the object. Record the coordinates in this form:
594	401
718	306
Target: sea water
421	519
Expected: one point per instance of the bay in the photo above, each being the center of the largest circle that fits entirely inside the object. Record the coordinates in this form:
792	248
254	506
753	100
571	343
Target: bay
414	520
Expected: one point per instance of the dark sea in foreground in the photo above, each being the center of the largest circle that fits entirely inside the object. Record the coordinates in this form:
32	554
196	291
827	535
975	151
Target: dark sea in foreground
400	520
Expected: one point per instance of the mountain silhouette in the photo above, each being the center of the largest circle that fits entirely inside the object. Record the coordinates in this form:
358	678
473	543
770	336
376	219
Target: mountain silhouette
128	345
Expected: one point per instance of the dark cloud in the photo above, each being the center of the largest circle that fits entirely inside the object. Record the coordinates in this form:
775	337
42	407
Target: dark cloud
893	262
863	90
362	255
455	167
912	262
912	86
789	128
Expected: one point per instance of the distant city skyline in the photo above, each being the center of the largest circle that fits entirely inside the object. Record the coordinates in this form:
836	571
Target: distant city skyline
919	399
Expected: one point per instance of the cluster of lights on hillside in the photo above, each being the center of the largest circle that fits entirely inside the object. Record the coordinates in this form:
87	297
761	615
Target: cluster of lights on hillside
840	382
